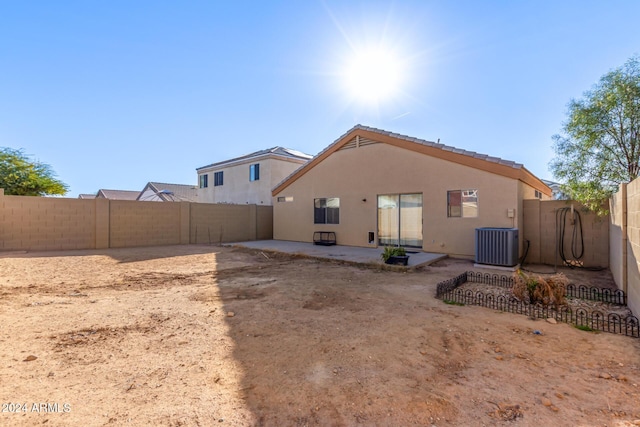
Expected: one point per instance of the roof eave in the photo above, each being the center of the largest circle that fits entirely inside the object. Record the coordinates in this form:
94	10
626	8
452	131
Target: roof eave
498	166
250	158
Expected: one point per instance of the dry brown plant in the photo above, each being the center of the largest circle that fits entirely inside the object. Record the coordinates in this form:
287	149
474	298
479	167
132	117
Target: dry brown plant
535	288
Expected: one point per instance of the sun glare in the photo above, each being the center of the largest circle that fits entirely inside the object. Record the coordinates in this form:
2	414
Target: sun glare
373	75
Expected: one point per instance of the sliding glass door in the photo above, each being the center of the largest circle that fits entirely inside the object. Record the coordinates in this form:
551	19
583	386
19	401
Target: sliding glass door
400	220
388	219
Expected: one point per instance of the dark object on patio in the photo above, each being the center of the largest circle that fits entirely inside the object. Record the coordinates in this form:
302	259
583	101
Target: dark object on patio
324	238
398	260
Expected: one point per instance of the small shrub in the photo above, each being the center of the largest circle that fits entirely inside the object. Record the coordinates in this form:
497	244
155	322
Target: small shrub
390	251
584	328
534	288
451	302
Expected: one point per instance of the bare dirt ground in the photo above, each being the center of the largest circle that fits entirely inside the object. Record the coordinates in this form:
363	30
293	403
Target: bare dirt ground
145	337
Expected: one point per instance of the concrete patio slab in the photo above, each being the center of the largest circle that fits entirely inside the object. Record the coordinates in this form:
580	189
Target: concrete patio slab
343	253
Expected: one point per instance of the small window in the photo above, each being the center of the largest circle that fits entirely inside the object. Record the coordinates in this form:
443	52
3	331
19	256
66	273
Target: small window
538	195
254	172
285	199
218	179
204	181
462	203
326	211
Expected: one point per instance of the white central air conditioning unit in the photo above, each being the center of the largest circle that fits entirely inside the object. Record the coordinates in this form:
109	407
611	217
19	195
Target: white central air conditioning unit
497	246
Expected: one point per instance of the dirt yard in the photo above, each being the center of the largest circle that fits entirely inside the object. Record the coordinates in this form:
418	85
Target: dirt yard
203	336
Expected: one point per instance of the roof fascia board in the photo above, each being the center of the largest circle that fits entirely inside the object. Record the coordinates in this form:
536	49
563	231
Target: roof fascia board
146	187
439	153
237	162
519	173
313	162
528	178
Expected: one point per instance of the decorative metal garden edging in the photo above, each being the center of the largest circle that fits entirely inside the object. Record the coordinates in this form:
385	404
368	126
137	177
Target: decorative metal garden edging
595	320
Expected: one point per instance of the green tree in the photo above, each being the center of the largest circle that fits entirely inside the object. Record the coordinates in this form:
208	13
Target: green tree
19	176
600	147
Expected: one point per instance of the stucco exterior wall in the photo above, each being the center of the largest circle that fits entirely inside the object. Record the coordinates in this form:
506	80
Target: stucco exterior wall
238	189
43	223
358	175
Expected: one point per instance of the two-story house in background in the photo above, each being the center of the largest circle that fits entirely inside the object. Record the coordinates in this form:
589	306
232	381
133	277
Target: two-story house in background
248	179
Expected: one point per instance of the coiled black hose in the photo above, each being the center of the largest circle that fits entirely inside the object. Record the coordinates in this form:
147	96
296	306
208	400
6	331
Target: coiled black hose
577	239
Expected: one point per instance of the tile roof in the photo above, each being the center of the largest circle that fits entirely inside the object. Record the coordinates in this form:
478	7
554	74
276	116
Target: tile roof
172	192
434	145
471	158
278	151
117	194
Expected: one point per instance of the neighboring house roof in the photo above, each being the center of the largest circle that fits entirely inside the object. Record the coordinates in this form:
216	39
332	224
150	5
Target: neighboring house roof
86	196
274	152
117	194
551	184
468	158
556	187
170	192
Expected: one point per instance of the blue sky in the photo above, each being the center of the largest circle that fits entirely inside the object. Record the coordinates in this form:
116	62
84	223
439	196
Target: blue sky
116	94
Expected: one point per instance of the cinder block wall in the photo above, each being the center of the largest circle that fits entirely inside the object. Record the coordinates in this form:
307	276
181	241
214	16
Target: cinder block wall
47	223
264	221
222	223
633	246
136	223
39	223
541	230
617	237
531	230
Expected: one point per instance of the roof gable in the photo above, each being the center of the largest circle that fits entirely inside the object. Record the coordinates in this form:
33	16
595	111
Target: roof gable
358	134
117	194
170	192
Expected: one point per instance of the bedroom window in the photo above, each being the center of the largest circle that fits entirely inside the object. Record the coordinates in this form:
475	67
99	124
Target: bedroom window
326	211
218	179
462	204
254	172
204	181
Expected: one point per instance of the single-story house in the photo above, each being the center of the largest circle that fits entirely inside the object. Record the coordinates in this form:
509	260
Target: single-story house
112	195
376	188
248	179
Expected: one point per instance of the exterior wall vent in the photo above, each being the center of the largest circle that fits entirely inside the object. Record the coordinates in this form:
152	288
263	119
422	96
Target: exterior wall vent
366	141
497	246
351	144
357	142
